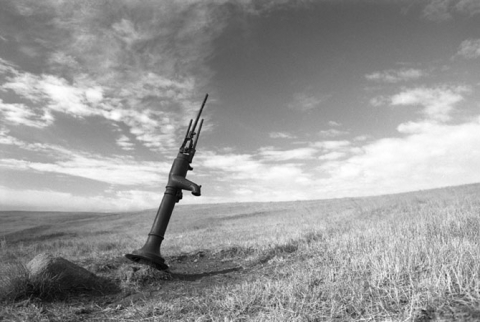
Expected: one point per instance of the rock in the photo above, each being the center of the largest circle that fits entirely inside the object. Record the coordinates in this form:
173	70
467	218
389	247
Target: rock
66	275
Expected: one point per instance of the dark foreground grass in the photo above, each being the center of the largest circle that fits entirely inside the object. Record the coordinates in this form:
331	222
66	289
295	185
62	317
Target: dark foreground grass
410	257
18	285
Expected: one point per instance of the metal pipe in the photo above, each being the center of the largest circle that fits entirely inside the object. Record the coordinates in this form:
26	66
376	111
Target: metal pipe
150	254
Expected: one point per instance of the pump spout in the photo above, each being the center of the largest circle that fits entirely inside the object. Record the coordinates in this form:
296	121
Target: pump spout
180	182
149	254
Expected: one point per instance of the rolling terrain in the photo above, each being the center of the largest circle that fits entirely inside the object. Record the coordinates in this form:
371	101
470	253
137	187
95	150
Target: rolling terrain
404	257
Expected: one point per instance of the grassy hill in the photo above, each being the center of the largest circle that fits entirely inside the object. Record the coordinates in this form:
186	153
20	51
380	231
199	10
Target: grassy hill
404	257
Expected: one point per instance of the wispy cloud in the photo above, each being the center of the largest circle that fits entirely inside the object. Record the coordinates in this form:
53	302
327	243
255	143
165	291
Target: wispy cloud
305	102
437	102
7	67
104	37
396	75
281	135
55	92
444	10
469	48
470	7
332	145
118	170
109	170
153	127
255	177
332	133
125	143
438	10
334	149
137	63
21	114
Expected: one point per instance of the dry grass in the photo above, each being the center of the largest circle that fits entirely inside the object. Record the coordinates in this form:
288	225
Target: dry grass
409	257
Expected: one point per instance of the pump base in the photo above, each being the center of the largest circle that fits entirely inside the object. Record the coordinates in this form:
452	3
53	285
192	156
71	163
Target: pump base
146	258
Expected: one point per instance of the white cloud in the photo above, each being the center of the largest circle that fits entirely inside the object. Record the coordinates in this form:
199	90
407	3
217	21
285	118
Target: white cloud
469	48
438	102
415	127
154	128
55	92
333	150
19	114
267	175
361	138
332	133
137	63
125	143
125	29
431	155
281	135
395	75
60	61
119	170
235	166
332	145
94	94
7	139
47	149
6	67
379	100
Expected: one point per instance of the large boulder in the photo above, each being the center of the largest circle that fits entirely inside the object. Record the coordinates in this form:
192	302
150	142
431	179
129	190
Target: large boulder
64	274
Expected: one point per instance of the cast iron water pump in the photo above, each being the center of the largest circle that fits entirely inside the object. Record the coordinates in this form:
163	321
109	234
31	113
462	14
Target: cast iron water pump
149	254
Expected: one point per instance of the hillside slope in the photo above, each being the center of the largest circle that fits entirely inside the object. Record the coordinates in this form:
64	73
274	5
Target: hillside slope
412	256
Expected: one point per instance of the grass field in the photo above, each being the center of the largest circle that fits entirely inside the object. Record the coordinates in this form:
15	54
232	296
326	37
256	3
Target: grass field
406	257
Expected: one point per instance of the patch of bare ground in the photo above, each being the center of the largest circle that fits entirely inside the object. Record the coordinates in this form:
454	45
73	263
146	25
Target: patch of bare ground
140	287
191	275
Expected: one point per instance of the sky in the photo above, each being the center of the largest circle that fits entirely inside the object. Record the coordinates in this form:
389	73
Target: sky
307	99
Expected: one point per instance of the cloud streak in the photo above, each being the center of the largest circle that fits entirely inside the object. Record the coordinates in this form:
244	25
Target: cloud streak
469	49
395	75
444	10
438	102
113	170
304	102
